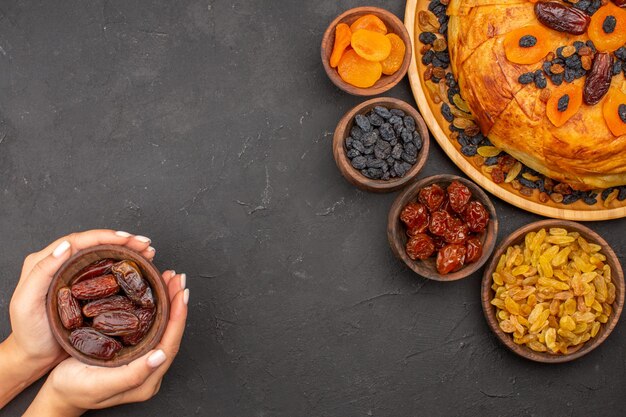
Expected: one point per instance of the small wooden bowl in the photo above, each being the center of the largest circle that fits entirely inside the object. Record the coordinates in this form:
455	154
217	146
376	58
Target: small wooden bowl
85	257
517	237
396	232
342	131
386	82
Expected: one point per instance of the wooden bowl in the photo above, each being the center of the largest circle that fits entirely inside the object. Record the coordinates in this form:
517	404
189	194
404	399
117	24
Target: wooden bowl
85	257
386	82
396	232
354	176
617	275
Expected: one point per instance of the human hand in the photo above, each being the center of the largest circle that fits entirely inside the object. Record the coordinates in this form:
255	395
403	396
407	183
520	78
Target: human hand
31	335
73	387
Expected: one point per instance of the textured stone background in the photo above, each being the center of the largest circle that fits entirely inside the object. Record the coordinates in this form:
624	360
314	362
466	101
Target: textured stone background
206	125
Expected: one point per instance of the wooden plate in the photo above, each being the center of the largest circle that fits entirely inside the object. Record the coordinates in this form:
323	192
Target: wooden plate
516	238
439	128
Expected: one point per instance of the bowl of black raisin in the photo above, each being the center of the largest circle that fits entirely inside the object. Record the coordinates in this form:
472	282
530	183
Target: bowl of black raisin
381	145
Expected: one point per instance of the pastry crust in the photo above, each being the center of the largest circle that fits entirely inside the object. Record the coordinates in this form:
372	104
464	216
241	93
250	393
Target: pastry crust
582	153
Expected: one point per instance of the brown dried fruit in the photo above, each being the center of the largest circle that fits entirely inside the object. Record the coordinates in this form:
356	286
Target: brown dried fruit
146	317
95	288
598	81
440	45
557	69
562	18
116	323
427	21
69	310
428	73
557	197
439	72
130	279
563	188
114	303
96	269
585	51
94	344
586	62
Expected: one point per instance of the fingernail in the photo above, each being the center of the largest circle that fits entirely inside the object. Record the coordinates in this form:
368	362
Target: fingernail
122	234
156	359
186	296
151	249
183	281
61	249
143	239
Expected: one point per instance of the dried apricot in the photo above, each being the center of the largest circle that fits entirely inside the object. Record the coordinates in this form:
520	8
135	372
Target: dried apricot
358	71
343	34
527	45
564	103
394	61
615	112
369	22
372	46
607	29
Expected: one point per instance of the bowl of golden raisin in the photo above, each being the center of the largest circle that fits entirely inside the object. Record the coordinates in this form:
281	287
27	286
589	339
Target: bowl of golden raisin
366	51
553	291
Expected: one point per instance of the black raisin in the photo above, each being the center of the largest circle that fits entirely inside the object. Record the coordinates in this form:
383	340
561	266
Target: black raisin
410	149
373	162
591	45
409	123
540	80
571	198
617	67
573	62
396	152
607	192
369	138
359	162
621	53
353	153
399	169
578	45
447	114
363	122
358	145
408	158
621	112
563	103
427	38
406	136
527	183
368	151
608	26
394	120
493	160
356	133
557	79
527	41
469	150
349	142
382	112
622	194
397	112
375	120
559	52
386	132
526	78
382	153
417	140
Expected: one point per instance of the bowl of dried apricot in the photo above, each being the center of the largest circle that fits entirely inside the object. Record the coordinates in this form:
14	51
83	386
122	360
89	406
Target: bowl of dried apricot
366	51
443	227
107	306
553	291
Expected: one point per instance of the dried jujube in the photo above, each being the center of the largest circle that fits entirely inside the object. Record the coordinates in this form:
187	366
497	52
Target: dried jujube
69	309
105	316
95	288
452	219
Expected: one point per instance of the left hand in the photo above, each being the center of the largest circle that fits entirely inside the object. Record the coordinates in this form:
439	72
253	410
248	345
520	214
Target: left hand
31	335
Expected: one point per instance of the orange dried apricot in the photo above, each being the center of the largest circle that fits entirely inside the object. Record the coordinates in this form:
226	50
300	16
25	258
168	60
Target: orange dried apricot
614	111
394	61
527	45
607	29
372	46
358	71
564	103
343	34
369	22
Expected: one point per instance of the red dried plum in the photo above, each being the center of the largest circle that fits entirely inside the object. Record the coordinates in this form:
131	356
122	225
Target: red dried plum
476	216
451	258
459	195
420	247
432	196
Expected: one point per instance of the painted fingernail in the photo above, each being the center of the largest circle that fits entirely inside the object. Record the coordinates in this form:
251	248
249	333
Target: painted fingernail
183	281
156	359
186	296
151	249
122	234
143	239
61	249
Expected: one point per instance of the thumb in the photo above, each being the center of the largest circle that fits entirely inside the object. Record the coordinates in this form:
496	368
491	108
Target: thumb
43	271
118	380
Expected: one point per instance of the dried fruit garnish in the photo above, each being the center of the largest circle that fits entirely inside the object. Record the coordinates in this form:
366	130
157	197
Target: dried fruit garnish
369	45
95	344
603	40
69	310
527	45
562	18
560	109
614	111
95	288
369	22
343	35
394	61
357	71
598	81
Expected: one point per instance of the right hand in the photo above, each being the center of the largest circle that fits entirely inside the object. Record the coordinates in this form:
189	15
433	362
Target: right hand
73	387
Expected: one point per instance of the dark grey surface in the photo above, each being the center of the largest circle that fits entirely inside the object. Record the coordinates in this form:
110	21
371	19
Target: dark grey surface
207	125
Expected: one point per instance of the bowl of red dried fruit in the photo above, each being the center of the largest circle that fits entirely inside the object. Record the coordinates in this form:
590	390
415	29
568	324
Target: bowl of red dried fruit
443	227
107	306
